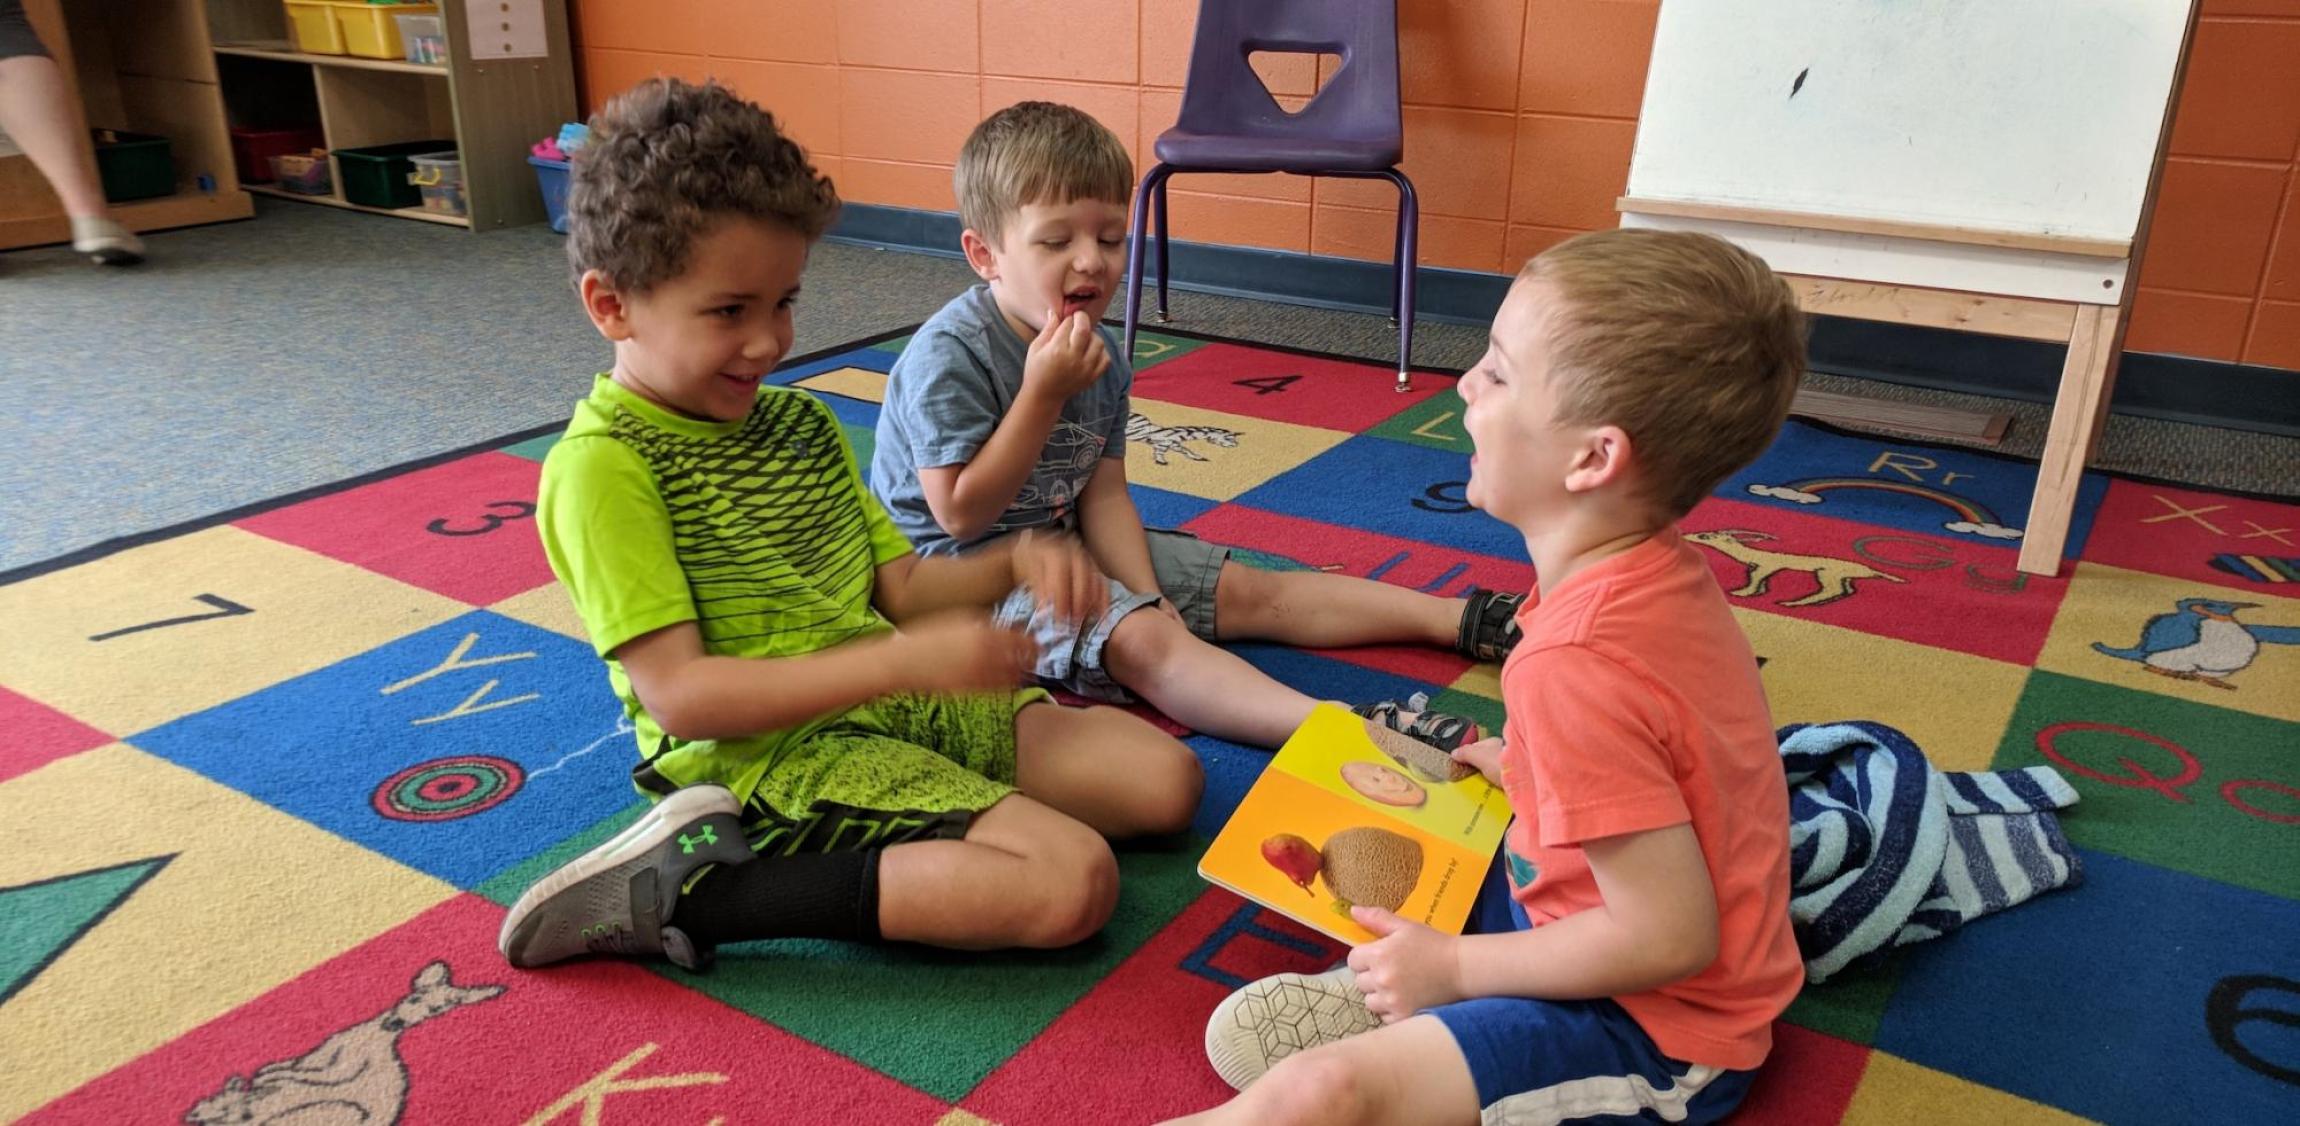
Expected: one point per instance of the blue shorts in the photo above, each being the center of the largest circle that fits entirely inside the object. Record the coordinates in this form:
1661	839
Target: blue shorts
1572	1061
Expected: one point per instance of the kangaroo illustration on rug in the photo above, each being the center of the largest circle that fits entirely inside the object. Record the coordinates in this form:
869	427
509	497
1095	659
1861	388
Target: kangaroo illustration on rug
353	1078
1834	577
1164	440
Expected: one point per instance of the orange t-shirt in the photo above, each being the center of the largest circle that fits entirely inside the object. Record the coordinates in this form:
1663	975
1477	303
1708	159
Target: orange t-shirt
1634	704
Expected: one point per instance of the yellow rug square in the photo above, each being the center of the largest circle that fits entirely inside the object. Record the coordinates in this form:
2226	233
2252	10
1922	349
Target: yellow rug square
548	607
2176	637
1954	705
1895	1092
160	631
238	898
852	383
1215	455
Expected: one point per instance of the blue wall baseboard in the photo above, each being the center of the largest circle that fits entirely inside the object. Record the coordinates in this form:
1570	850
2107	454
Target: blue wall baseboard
2150	385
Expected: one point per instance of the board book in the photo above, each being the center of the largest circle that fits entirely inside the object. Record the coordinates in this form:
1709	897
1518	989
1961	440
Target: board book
1352	813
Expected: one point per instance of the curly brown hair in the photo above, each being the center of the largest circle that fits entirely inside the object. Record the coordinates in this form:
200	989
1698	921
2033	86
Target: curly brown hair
665	159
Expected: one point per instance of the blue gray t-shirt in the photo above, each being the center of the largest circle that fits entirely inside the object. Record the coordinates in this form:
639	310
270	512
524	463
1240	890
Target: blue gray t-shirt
947	393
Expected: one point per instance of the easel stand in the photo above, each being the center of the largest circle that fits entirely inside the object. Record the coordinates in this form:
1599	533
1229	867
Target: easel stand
2067	271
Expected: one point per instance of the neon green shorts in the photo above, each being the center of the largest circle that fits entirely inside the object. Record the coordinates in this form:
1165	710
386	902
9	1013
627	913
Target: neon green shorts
900	768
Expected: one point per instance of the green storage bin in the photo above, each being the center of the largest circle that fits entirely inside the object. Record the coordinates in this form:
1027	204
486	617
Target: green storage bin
133	165
376	176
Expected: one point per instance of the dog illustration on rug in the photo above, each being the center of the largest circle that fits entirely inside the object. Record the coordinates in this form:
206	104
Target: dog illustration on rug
1834	577
353	1078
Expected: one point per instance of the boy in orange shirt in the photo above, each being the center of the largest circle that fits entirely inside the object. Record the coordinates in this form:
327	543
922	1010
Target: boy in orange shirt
1631	948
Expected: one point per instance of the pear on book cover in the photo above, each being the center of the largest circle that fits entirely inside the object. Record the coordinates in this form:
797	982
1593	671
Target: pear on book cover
1367	865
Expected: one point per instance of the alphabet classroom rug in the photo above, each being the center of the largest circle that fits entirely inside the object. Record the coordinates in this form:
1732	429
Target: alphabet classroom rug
268	781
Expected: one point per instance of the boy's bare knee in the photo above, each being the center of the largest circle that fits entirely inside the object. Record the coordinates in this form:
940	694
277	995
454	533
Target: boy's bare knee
1316	1087
1173	782
1145	639
1078	882
1243	593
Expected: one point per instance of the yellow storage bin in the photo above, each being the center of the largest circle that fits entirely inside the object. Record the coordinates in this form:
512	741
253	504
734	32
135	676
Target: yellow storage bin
369	30
312	23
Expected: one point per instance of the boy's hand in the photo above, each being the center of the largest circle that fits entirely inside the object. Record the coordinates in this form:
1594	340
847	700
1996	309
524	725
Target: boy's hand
1060	575
1066	358
1409	968
1485	755
961	652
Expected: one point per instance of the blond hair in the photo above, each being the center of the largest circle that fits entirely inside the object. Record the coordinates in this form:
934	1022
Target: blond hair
1037	152
1687	342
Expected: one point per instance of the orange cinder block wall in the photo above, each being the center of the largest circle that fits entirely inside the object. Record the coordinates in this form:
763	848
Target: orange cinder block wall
1519	119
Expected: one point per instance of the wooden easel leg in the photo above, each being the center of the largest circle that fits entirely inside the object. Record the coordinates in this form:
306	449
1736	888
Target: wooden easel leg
2087	380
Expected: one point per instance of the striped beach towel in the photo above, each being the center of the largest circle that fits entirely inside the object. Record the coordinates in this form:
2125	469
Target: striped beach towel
1886	851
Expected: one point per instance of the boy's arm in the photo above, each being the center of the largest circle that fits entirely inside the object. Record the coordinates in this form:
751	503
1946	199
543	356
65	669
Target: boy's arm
695	695
1054	567
967	498
1112	527
1657	924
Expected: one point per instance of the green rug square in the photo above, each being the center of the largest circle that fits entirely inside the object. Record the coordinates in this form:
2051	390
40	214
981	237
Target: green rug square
942	1020
533	449
1154	348
1434	422
1850	1005
2184	786
894	346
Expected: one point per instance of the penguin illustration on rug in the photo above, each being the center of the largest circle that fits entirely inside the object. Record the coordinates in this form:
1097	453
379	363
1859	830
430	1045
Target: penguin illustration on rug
2201	640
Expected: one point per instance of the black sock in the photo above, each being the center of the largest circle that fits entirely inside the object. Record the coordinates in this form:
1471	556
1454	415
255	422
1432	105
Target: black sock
817	895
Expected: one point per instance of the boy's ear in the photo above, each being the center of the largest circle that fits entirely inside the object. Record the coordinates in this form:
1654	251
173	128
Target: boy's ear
1603	457
979	254
610	311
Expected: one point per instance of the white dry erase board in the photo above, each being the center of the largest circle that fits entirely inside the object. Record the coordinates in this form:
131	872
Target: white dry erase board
1981	165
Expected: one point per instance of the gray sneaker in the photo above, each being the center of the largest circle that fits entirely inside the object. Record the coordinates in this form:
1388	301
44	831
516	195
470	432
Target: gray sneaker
618	897
1265	1021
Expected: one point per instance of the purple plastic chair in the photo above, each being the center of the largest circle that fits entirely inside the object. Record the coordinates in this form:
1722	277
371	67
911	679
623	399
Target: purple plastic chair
1230	123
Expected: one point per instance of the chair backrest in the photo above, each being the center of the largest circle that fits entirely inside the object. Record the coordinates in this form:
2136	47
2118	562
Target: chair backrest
1224	95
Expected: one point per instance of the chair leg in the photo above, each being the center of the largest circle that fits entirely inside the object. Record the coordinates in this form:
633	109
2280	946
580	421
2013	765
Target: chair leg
1406	265
1151	181
1397	258
1164	317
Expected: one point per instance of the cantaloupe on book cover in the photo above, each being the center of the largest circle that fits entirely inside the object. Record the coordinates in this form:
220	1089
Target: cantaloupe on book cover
1350	812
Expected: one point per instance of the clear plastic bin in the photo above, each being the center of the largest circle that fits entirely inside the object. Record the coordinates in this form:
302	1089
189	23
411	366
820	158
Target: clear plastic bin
439	176
424	38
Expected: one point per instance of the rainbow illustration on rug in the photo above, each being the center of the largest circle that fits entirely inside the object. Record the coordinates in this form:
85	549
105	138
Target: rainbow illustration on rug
268	781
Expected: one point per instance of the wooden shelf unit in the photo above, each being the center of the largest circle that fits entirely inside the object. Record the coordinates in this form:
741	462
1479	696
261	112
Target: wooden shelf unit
491	108
141	66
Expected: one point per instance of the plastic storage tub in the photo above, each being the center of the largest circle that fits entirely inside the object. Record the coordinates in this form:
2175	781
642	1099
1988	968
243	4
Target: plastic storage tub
133	165
376	175
438	178
252	149
304	173
311	23
370	30
551	176
423	38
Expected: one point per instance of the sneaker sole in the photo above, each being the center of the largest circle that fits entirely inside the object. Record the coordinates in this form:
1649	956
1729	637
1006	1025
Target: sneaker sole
1268	1020
651	829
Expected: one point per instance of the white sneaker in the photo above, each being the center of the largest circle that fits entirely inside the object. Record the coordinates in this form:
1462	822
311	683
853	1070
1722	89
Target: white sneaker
107	242
1265	1021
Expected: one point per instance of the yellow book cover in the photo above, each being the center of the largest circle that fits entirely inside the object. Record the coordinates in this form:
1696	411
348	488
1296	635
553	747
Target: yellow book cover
1351	813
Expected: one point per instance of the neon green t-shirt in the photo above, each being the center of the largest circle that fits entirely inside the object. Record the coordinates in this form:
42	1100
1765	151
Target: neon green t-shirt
759	531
